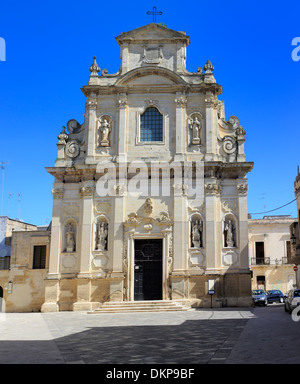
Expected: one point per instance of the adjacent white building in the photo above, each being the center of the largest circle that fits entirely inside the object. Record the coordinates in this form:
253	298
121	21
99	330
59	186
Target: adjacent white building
270	253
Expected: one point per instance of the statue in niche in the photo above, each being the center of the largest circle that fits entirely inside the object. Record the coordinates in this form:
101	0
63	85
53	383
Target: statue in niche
70	239
102	232
229	234
195	126
197	229
104	129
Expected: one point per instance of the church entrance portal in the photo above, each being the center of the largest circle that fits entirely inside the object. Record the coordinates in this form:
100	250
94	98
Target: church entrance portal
148	269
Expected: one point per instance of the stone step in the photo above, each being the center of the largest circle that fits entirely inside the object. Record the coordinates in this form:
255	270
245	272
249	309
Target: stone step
140	306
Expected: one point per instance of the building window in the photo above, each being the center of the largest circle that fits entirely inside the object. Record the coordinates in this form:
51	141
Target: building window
4	263
259	252
39	257
151	125
261	282
288	252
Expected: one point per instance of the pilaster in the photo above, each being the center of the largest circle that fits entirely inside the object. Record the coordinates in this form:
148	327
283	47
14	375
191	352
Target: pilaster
52	278
122	102
180	129
91	115
55	249
211	126
212	193
87	193
242	190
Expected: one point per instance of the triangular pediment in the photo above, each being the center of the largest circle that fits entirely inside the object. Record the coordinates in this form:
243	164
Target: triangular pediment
152	33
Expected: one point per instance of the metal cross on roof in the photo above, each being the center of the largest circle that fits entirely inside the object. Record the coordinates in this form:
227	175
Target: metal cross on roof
154	13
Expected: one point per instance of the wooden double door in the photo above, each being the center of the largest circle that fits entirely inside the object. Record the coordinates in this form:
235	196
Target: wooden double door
148	269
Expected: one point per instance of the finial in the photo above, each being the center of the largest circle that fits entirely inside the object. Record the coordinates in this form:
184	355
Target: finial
94	69
208	67
62	137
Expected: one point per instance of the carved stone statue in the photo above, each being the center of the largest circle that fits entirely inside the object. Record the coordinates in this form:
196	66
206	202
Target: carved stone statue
102	232
195	126
148	206
229	234
105	129
70	239
197	229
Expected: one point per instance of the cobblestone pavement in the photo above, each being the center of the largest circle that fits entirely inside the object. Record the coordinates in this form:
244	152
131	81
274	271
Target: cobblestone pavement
204	336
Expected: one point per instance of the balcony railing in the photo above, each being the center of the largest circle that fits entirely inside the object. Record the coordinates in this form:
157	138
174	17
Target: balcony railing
269	261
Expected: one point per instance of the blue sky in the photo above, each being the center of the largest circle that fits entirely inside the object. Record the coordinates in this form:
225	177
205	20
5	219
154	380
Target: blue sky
50	46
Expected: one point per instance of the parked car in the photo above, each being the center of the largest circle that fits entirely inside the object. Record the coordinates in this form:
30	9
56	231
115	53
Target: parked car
275	296
259	297
292	300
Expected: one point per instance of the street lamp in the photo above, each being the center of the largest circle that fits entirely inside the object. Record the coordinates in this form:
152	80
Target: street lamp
293	239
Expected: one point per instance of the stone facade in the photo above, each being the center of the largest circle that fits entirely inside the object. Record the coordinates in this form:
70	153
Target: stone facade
181	186
270	253
99	263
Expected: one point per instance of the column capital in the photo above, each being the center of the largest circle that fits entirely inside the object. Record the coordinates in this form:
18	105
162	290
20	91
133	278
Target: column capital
181	102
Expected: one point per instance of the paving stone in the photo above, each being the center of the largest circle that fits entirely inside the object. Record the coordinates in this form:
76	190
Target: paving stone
148	338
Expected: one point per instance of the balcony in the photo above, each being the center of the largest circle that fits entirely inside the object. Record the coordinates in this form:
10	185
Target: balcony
269	261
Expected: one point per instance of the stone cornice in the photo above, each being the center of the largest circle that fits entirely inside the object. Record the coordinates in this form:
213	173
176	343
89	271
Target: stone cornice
214	169
154	88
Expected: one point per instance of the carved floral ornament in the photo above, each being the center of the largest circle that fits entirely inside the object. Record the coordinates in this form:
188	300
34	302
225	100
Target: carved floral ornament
87	190
212	188
228	206
58	193
122	102
242	188
134	220
181	102
211	100
91	104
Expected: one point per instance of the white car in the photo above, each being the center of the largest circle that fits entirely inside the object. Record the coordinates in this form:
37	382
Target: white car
292	300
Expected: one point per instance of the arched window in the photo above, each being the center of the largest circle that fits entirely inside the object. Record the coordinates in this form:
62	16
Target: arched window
151	125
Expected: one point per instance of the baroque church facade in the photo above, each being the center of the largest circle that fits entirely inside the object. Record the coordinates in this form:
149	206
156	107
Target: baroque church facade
150	191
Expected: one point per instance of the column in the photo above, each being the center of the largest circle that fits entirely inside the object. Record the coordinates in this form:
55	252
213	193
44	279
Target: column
213	236
122	128
52	278
91	109
180	127
83	302
211	126
117	245
242	190
87	193
180	243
